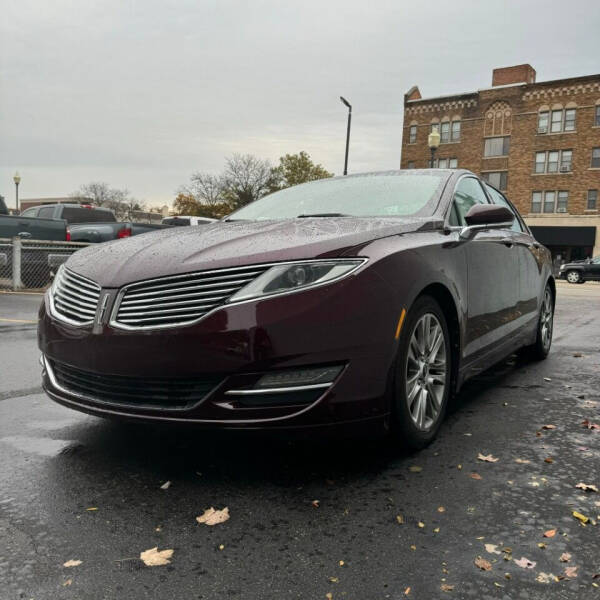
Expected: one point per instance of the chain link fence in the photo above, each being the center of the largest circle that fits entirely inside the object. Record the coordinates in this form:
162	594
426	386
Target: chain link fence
31	264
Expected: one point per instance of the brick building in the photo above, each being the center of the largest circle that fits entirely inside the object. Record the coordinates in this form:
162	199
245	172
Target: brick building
538	142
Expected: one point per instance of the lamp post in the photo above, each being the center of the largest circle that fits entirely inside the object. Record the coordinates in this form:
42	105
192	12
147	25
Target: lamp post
17	180
345	102
433	141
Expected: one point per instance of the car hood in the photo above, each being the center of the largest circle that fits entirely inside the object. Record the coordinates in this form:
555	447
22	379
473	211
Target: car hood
230	244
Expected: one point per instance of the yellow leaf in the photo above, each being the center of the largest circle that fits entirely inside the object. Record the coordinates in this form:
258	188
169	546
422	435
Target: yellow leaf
415	469
436	530
92	508
72	563
400	519
413	547
214	517
421	524
550	533
580	517
441	509
341	563
155	558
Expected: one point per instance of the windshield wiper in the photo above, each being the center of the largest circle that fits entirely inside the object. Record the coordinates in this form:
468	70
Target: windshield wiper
322	215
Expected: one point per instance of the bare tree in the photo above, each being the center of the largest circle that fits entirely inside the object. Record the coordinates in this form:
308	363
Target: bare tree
206	188
101	194
247	178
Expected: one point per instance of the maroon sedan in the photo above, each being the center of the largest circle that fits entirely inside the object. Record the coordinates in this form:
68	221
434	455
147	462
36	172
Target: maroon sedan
361	301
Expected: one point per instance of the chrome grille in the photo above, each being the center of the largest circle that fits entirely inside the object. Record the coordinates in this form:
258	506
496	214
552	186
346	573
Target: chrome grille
75	298
182	299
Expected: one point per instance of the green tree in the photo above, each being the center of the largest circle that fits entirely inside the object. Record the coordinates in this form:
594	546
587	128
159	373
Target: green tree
294	169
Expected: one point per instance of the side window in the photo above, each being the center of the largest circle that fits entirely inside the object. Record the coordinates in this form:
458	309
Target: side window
468	192
498	198
30	212
46	212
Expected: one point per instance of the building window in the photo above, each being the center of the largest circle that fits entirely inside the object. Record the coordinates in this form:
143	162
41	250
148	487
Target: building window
435	127
442	163
446	163
498	179
498	146
412	135
456	131
597	120
550	201
553	161
445	132
560	120
592	199
562	201
453	163
596	158
410	165
543	122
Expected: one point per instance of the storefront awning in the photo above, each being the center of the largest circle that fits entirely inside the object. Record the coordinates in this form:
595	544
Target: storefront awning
565	236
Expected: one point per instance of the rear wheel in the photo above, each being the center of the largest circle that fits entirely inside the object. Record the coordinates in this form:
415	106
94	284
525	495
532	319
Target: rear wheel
423	368
573	276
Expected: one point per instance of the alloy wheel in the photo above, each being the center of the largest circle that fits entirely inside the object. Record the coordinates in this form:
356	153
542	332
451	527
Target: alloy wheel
426	372
547	319
573	276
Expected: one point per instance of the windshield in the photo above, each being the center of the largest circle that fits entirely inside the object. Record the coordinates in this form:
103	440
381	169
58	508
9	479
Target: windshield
380	195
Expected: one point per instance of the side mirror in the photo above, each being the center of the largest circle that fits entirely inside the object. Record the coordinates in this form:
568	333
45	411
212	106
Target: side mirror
486	216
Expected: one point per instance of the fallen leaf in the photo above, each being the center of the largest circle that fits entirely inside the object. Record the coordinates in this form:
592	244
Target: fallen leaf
91	508
72	563
222	547
565	557
441	509
166	485
549	460
550	533
522	461
590	425
577	354
547	379
545	577
483	564
487	458
329	596
580	517
415	469
413	547
155	558
548	426
541	545
475	476
421	524
315	503
214	517
525	563
445	587
334	579
436	530
571	571
67	582
492	549
407	591
400	519
587	487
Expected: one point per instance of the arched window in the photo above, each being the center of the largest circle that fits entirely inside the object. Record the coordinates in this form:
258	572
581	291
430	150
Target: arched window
597	114
498	119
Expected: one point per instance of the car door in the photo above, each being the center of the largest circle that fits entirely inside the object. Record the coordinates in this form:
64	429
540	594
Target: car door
593	269
492	276
530	263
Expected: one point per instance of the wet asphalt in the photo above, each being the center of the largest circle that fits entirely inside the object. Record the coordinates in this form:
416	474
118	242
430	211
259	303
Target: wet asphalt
74	487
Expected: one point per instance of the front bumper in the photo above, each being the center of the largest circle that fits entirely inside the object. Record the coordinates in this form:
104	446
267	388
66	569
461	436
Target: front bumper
351	323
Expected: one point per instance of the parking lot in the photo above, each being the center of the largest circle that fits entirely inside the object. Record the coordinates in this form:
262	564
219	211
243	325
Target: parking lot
355	519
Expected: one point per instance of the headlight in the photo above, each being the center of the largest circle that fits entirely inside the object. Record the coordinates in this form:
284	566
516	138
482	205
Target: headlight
292	277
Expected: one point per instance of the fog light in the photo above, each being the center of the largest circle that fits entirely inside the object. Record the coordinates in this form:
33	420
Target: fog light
296	377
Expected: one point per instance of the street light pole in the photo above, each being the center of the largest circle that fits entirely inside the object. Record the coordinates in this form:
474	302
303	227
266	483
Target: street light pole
17	180
345	102
433	141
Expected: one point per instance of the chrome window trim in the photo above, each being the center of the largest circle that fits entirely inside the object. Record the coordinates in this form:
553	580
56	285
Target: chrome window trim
115	310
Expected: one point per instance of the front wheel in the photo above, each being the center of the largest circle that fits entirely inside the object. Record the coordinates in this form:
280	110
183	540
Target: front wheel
423	374
540	349
574	277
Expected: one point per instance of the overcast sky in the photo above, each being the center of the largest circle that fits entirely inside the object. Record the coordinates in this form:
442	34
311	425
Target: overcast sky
141	93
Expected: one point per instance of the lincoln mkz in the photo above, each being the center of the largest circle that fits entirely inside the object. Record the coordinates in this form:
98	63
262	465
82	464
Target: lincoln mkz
349	304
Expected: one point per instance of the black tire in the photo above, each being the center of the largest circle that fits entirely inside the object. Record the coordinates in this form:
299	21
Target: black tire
573	276
540	349
405	429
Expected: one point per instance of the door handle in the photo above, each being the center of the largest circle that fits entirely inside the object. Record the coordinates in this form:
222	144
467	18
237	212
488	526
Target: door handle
24	234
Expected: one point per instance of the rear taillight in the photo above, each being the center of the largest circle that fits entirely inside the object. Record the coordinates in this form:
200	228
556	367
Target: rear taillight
68	238
124	232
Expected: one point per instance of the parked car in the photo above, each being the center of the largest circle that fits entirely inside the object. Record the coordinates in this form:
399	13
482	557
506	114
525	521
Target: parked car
184	220
580	271
92	224
360	303
3	208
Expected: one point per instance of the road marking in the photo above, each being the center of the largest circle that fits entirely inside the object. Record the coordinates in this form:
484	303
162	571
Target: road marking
16	321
